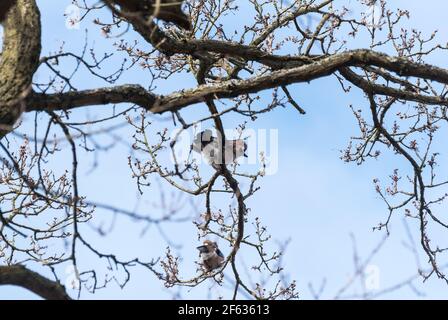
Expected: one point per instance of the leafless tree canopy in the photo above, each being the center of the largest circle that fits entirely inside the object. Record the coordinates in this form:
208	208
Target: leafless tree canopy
44	211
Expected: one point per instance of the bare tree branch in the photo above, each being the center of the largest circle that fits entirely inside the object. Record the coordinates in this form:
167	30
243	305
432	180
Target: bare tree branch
18	275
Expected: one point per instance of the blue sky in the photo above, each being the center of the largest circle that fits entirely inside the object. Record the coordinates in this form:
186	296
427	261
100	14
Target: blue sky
315	199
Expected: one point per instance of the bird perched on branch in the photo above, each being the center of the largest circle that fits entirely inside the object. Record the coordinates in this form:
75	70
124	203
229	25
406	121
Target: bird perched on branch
211	148
166	10
211	256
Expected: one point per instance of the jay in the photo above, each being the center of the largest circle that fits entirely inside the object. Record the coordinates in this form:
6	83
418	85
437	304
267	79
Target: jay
210	147
211	256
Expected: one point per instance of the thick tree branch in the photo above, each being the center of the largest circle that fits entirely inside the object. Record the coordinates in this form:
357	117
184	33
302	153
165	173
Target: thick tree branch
368	86
233	88
318	69
167	10
18	275
74	99
19	59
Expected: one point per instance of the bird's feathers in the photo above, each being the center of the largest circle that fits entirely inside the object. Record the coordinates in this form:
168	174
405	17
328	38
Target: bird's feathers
211	148
211	256
219	253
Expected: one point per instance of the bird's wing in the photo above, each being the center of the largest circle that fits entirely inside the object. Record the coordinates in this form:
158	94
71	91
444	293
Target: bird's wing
219	253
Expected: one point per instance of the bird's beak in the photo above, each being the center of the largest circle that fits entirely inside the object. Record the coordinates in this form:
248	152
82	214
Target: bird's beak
202	249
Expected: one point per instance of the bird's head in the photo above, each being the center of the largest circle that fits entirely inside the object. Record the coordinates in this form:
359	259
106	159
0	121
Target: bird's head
208	246
203	138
